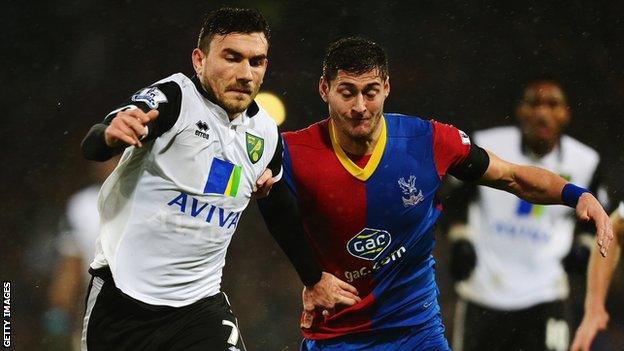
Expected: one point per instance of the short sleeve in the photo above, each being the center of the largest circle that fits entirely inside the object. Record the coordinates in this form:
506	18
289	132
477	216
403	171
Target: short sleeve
451	146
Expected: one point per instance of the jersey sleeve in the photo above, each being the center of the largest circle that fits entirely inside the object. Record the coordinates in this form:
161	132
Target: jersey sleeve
275	165
621	209
288	176
166	97
451	147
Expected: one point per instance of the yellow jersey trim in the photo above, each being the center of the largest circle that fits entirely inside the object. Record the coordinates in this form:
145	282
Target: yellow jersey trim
360	173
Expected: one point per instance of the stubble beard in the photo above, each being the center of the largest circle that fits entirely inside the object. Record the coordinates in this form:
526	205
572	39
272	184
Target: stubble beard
360	135
229	106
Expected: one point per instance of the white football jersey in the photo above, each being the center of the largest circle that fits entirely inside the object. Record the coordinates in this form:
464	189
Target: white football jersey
520	245
170	208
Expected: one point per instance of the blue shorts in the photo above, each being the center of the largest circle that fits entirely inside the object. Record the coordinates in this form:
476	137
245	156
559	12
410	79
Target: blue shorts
429	336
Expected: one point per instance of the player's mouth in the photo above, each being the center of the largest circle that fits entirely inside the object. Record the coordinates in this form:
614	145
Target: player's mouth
241	90
543	132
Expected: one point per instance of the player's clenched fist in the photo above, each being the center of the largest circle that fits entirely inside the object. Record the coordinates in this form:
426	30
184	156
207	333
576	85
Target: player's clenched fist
128	127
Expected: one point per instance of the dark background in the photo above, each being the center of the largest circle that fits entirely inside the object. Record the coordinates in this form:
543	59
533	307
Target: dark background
66	64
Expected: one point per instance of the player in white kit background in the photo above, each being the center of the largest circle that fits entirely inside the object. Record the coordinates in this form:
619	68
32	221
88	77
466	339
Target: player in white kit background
195	150
518	288
75	247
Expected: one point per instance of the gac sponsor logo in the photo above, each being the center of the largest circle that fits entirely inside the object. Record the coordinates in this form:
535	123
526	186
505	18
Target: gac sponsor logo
369	243
210	213
351	276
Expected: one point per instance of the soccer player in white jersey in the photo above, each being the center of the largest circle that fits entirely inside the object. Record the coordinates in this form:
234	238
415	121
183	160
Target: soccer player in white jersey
194	152
514	298
599	274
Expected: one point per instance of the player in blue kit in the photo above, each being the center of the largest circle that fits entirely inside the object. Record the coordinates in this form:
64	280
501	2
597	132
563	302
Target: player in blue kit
365	183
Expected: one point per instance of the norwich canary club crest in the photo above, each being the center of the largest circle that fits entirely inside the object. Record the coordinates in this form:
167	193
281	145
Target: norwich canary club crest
255	147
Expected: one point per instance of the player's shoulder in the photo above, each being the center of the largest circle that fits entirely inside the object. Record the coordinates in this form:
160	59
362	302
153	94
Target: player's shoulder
578	150
402	125
315	135
261	120
497	135
177	78
167	90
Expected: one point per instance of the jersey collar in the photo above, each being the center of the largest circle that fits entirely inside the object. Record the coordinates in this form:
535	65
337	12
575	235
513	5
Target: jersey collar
360	173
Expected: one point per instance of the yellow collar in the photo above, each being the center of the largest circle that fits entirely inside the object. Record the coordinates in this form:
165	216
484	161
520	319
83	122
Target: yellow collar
360	173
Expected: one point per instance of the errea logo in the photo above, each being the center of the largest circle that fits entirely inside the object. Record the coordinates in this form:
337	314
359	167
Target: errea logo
369	243
202	128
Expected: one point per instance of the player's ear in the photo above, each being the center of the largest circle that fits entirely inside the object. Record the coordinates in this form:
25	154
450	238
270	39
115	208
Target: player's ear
323	88
197	57
387	86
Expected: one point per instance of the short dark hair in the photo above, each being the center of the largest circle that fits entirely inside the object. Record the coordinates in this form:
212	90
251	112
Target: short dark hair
228	20
354	55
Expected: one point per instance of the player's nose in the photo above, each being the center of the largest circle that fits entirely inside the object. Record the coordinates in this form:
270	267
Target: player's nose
359	106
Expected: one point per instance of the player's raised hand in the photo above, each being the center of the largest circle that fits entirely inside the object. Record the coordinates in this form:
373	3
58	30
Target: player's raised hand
263	184
593	322
128	127
588	208
326	295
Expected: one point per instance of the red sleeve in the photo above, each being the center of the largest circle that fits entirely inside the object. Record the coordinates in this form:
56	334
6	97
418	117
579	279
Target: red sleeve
451	146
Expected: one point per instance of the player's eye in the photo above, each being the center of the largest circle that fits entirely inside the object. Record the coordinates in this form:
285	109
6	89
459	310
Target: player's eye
555	103
346	94
232	58
371	94
257	62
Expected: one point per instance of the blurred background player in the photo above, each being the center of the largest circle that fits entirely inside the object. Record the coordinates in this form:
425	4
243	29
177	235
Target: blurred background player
76	249
519	285
366	181
599	274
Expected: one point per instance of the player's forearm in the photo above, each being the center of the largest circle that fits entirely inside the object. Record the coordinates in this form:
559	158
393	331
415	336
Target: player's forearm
281	216
537	185
529	183
599	274
94	146
600	269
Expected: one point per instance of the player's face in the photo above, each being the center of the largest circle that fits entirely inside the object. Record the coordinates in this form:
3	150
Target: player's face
355	102
233	69
543	114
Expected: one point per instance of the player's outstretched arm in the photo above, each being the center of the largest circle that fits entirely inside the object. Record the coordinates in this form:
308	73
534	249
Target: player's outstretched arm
540	186
127	128
281	215
599	274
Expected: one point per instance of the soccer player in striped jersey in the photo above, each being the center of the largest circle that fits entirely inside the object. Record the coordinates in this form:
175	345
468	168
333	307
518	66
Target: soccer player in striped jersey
365	181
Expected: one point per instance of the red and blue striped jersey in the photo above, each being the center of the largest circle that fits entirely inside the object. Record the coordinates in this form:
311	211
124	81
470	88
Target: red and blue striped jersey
373	226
